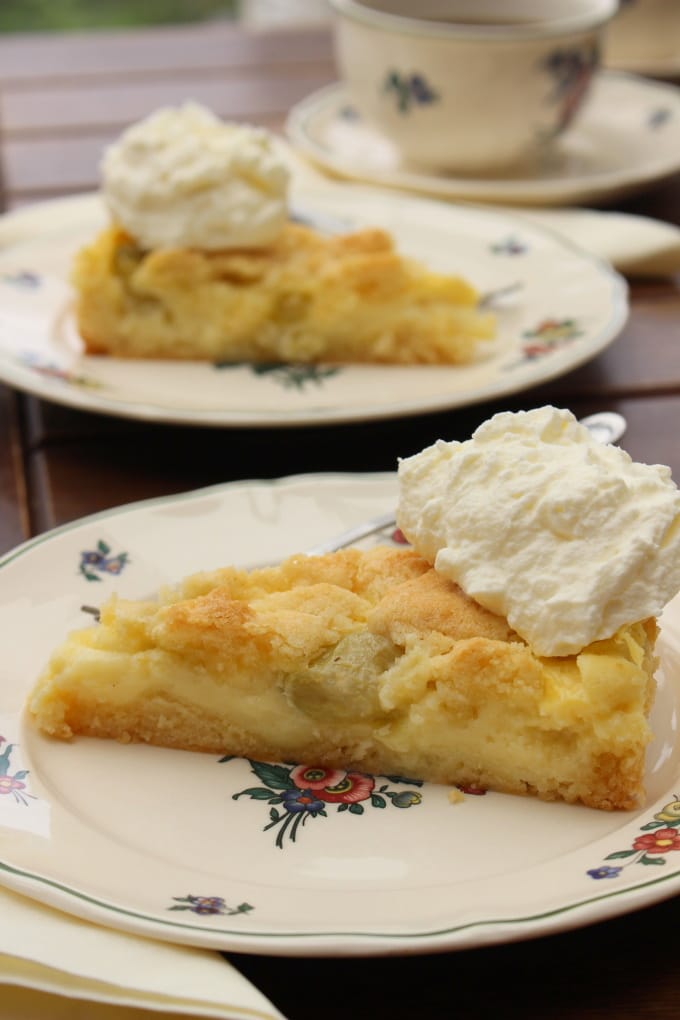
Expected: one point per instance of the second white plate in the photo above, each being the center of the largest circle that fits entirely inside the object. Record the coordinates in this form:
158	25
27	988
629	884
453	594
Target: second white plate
568	306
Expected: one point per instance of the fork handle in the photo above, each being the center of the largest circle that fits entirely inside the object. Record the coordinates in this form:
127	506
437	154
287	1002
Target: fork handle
353	534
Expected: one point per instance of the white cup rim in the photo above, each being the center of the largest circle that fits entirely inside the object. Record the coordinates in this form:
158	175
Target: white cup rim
600	12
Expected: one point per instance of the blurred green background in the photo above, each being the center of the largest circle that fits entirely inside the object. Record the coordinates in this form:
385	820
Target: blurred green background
66	15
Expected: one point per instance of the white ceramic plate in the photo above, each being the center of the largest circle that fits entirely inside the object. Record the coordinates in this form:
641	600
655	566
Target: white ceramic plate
183	847
627	136
569	306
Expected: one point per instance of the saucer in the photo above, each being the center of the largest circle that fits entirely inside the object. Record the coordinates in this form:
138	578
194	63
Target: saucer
627	136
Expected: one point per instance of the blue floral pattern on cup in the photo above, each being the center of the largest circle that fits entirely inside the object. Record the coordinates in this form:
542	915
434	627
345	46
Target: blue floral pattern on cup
409	90
571	71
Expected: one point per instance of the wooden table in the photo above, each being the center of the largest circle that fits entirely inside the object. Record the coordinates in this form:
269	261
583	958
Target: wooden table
61	100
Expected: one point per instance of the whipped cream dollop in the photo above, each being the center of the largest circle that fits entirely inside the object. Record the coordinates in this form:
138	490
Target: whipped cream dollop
184	178
567	538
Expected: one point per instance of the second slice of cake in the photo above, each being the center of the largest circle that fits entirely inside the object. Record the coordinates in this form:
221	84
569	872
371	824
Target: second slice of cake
203	260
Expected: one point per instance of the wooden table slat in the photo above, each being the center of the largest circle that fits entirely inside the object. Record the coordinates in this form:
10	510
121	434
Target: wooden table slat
15	522
61	109
31	58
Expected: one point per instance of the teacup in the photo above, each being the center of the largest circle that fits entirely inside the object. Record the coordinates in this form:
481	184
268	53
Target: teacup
470	86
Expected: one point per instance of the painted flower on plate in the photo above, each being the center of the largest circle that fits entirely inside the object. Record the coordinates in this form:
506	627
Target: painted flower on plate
296	793
658	842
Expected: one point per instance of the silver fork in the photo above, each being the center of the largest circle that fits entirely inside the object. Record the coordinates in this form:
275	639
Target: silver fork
605	427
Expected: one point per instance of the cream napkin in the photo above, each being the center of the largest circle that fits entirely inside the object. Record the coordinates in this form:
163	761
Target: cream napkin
53	965
635	245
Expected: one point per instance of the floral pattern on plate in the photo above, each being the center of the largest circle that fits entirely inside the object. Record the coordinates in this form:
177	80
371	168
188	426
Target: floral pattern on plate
61	374
510	245
289	375
12	784
299	792
209	905
548	336
659	838
24	278
94	563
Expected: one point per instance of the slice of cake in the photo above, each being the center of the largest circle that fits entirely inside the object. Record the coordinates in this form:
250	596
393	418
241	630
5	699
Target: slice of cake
369	660
303	297
202	261
512	648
